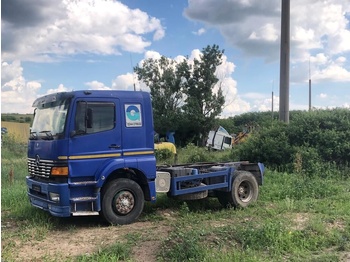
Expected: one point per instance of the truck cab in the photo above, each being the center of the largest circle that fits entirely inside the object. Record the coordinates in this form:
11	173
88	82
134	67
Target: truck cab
219	139
81	143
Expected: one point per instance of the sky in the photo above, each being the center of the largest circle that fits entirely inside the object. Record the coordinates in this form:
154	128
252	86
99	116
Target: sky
64	45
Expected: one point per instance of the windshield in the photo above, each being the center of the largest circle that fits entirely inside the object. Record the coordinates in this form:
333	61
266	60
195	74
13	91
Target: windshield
50	121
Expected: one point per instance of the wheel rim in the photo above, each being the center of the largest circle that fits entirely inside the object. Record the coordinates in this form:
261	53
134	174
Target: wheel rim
245	192
123	202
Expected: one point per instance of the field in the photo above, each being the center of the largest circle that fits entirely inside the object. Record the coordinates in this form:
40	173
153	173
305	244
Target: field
20	131
296	218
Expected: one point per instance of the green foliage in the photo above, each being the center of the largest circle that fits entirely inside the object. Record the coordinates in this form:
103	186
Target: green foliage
307	161
183	245
297	187
115	252
195	154
308	145
11	148
269	146
20	118
183	95
163	154
237	123
328	131
203	105
164	78
297	218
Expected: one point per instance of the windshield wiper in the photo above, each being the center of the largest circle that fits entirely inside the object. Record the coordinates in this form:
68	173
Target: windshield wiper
49	135
33	136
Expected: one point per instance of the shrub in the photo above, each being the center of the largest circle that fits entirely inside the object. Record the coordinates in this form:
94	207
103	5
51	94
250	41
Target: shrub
10	147
307	161
195	154
270	146
309	143
163	154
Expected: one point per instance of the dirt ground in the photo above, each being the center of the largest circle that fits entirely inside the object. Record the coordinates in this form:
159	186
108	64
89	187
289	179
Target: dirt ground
87	236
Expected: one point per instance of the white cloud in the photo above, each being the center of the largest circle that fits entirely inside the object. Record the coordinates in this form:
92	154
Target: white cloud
322	68
323	96
76	27
254	27
333	72
262	102
236	107
126	82
152	54
255	96
346	105
60	88
266	32
200	31
95	85
195	54
319	59
225	69
16	93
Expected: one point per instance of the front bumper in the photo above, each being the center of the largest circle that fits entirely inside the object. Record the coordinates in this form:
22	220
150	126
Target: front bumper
38	193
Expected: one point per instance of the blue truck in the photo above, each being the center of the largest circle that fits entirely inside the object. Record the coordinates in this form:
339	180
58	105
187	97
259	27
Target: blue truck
92	153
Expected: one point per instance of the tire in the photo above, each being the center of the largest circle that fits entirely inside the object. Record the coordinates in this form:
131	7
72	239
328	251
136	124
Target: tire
245	191
122	201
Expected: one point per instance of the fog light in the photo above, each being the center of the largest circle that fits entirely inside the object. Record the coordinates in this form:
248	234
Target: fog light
54	197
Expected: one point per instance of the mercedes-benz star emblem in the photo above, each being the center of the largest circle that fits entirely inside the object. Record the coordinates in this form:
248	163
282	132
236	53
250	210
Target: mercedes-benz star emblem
37	160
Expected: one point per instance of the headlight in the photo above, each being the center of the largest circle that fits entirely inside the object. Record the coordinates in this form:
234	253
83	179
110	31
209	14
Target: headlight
54	197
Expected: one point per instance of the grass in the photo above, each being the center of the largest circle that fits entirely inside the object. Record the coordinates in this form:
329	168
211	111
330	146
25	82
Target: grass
295	219
115	252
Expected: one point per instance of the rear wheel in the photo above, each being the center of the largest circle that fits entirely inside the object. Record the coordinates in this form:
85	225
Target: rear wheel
245	191
122	201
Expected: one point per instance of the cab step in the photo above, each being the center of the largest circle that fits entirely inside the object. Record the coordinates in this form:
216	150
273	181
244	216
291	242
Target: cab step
85	213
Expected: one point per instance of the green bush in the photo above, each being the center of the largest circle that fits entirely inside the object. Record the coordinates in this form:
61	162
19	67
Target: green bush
307	161
328	131
311	142
269	146
195	154
163	154
10	147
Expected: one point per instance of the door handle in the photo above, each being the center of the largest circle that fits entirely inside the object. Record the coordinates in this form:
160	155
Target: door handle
114	146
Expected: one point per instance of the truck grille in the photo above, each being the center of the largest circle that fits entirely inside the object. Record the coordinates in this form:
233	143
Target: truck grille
42	168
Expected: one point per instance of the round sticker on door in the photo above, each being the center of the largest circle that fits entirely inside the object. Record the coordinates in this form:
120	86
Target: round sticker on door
133	115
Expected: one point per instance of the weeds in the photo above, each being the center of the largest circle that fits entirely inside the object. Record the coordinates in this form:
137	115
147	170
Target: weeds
185	246
296	218
115	252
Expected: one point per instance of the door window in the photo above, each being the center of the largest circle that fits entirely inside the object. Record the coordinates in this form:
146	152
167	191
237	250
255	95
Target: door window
93	117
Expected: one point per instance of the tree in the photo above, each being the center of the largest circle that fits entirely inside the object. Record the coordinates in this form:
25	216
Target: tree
203	103
186	97
165	83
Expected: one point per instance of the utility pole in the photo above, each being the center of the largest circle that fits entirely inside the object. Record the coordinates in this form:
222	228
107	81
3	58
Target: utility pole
273	85
284	62
272	104
309	87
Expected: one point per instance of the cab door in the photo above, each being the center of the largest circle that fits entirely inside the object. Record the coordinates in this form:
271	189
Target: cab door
95	136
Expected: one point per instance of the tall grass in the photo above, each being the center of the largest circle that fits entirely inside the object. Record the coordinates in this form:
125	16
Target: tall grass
13	172
293	220
296	218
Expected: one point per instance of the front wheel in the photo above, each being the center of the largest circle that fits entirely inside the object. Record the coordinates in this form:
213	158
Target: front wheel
122	201
245	190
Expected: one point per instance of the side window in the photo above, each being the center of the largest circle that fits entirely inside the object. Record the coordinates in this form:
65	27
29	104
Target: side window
227	140
93	117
